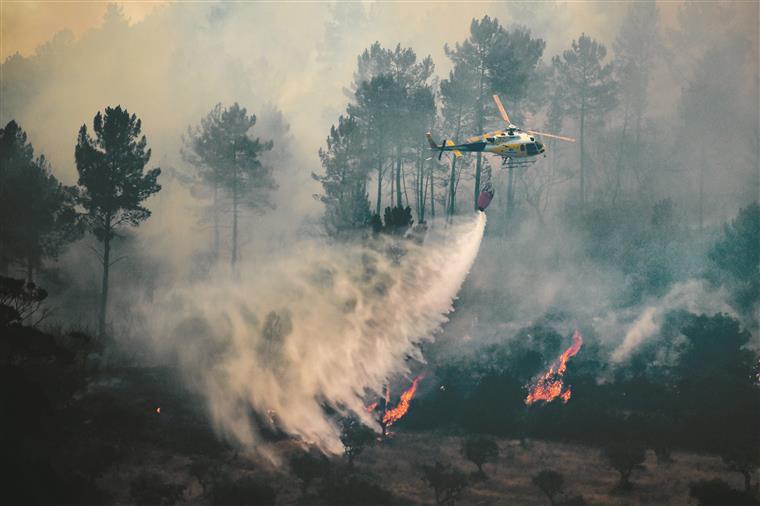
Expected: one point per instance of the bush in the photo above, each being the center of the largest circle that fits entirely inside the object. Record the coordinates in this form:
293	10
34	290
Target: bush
341	489
355	437
480	450
306	467
717	492
550	483
243	492
149	489
624	457
447	482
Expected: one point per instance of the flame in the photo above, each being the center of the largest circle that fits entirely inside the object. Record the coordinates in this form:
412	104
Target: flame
549	385
393	415
158	410
371	407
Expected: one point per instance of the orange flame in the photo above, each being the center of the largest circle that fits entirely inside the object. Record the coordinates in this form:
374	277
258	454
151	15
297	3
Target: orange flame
549	385
393	415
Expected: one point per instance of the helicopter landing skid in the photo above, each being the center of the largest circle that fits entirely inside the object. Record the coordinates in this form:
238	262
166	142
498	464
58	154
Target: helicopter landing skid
507	162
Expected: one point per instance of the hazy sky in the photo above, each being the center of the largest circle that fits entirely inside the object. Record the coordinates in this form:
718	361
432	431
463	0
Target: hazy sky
27	24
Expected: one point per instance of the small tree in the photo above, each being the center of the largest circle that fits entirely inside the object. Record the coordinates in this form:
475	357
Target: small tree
736	255
480	450
355	437
306	467
550	483
743	459
717	492
113	182
447	482
397	220
624	457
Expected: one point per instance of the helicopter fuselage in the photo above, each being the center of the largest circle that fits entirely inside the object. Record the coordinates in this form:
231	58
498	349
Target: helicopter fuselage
512	143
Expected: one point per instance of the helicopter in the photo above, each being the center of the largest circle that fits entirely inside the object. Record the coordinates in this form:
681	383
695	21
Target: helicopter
513	143
516	146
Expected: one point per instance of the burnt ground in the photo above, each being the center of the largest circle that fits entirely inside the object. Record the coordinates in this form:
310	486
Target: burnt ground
107	444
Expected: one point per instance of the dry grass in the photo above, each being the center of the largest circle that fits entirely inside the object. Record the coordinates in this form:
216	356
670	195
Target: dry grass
395	465
509	480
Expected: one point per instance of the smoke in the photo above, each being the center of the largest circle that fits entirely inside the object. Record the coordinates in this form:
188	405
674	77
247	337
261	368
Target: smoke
321	326
692	296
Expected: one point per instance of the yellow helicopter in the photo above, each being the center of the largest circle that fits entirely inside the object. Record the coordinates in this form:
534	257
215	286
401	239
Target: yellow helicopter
513	144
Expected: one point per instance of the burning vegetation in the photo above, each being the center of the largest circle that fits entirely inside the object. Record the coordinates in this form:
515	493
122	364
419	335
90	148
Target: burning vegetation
391	415
550	384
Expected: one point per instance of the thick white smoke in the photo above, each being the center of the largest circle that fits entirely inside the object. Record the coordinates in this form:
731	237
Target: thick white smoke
321	326
692	296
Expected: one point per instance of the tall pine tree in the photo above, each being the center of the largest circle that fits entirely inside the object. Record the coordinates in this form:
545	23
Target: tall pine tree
113	182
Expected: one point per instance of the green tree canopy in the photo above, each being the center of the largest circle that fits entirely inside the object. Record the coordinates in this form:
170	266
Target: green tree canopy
228	158
587	87
345	178
113	181
37	215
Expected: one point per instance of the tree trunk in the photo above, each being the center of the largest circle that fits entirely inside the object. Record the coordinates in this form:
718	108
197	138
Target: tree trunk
619	161
747	480
432	192
104	285
452	179
379	187
398	177
702	189
479	160
452	187
215	212
234	259
478	163
510	191
583	155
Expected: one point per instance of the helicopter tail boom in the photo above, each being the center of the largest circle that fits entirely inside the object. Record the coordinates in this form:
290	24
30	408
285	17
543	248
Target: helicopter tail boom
446	145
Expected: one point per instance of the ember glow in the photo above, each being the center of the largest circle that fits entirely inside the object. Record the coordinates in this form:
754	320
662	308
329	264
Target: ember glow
549	385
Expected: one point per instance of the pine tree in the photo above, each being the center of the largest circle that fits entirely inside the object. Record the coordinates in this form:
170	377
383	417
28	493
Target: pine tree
458	104
345	178
37	216
588	89
502	62
113	182
228	159
394	105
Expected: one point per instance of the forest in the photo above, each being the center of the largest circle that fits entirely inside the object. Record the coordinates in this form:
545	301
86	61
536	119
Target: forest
233	270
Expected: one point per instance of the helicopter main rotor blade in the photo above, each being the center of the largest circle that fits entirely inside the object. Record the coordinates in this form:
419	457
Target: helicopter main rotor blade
503	111
560	137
